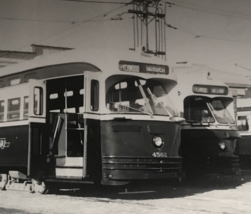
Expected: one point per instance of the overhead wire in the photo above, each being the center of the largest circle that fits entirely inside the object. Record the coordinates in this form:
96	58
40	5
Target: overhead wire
197	36
200	8
93	20
50	21
74	25
99	2
34	20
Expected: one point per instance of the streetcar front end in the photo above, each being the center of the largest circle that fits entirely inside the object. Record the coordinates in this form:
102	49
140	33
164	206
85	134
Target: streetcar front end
209	134
140	133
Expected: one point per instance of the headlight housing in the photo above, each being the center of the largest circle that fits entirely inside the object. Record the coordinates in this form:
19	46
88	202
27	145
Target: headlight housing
157	141
222	145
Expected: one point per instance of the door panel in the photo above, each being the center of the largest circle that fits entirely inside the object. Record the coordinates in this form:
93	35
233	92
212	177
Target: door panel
65	108
37	149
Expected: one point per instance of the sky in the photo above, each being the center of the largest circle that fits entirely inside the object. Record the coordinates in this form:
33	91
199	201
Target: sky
214	33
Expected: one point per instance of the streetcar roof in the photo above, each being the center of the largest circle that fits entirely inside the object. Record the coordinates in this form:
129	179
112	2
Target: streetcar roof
101	60
188	79
197	77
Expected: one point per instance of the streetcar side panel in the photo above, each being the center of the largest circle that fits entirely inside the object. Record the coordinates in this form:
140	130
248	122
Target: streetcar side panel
14	128
14	146
244	127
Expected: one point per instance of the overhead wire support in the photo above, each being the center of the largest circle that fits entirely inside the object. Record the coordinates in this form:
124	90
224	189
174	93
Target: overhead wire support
134	31
147	11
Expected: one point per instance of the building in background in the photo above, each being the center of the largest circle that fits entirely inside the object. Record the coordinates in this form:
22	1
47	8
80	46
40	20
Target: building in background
13	57
239	85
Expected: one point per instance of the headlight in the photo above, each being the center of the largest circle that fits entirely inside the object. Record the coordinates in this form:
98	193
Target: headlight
157	141
222	145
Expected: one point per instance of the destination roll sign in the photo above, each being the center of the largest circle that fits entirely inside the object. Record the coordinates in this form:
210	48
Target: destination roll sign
210	89
138	67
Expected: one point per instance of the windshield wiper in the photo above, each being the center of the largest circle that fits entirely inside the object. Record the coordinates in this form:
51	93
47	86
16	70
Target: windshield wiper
145	99
156	102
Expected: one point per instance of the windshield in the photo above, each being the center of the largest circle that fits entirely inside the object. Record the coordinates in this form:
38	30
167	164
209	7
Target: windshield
140	96
206	110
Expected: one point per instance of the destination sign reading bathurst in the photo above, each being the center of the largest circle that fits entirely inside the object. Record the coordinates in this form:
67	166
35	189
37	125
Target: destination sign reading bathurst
138	67
209	89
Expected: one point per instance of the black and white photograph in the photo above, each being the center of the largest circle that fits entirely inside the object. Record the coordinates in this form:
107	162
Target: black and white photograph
125	106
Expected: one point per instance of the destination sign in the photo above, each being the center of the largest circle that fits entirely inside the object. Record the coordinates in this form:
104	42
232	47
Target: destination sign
138	67
200	89
218	90
209	89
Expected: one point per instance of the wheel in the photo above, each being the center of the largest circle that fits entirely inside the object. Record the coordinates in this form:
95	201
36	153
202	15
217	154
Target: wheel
38	187
3	181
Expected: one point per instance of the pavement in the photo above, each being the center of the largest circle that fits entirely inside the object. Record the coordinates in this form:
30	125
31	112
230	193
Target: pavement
196	196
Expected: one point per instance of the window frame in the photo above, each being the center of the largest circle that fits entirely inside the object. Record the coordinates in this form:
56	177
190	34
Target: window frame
38	107
94	98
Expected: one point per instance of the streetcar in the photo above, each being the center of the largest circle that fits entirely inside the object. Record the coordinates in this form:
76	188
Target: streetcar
88	117
244	127
209	133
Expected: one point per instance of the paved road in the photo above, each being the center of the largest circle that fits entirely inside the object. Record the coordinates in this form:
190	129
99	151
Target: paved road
197	197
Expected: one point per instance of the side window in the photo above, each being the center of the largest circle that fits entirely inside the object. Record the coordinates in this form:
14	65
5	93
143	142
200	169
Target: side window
14	81
38	101
1	110
82	94
94	95
68	95
13	109
26	107
242	123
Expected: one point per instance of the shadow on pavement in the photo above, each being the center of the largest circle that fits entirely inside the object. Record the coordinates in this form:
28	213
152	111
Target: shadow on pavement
152	189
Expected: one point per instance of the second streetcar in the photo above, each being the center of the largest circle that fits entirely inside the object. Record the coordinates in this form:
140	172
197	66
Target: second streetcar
209	133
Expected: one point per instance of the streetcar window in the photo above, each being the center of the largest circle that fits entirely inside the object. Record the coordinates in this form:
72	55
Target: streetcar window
141	96
204	109
94	95
1	110
219	109
14	81
81	91
26	107
68	93
27	77
53	96
13	109
38	101
242	123
121	85
65	94
197	110
142	82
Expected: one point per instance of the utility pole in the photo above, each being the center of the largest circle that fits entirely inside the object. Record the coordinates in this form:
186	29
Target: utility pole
145	12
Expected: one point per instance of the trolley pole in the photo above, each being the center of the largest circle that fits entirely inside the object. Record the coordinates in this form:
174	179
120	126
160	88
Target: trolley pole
146	12
145	17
